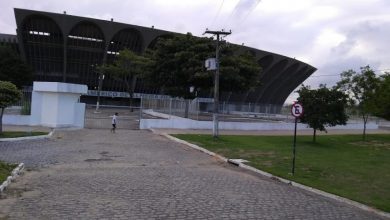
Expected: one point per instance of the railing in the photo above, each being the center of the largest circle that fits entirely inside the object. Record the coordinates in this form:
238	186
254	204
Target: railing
22	106
198	109
201	109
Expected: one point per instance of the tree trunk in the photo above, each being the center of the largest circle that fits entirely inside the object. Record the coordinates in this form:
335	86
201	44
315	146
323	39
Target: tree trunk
365	119
187	106
1	120
132	88
314	135
131	101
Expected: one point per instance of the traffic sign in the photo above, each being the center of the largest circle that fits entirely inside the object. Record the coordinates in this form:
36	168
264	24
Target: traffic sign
297	110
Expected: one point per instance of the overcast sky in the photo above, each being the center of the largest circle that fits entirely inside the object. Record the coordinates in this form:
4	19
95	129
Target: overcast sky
331	35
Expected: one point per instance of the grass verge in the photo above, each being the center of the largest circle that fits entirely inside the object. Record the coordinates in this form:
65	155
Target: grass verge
340	164
15	134
5	170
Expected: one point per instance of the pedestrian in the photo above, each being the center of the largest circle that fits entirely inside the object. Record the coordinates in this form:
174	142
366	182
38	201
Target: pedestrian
114	121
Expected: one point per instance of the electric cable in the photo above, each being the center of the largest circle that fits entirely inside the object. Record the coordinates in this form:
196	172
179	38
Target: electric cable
218	12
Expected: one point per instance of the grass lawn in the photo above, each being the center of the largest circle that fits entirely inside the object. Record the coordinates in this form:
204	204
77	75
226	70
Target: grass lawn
340	164
5	170
15	134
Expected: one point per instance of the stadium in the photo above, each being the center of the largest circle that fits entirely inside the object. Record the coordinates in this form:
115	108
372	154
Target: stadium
67	48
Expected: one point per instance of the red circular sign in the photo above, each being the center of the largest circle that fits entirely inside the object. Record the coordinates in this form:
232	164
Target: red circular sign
297	110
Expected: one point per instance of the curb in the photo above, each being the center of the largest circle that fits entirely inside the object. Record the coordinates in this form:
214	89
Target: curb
195	147
289	182
16	172
28	138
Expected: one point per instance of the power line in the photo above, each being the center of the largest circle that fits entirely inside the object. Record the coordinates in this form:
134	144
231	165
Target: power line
247	14
236	11
219	11
231	13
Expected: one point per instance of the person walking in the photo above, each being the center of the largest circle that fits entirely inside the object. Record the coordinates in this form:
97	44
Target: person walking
114	121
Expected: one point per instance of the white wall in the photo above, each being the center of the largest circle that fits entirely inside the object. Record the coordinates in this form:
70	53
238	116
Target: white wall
54	105
79	115
16	119
183	123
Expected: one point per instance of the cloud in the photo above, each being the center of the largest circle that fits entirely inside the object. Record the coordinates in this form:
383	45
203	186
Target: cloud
331	35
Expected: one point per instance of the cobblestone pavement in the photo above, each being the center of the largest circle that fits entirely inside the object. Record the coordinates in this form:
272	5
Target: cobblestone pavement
94	174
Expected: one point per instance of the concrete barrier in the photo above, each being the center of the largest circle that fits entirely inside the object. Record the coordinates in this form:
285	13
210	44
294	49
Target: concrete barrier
174	122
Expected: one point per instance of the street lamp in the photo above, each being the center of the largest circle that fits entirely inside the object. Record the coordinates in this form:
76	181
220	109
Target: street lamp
101	78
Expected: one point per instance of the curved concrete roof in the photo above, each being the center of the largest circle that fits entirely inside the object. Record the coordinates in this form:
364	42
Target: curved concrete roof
280	76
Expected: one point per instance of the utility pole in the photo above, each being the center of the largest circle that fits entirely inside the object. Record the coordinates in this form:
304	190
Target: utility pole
216	79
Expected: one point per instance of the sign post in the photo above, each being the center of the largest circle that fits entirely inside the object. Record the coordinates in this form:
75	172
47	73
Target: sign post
296	111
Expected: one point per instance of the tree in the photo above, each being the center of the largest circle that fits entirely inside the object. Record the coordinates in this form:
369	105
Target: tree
239	72
127	67
382	97
9	94
13	69
323	108
179	65
361	89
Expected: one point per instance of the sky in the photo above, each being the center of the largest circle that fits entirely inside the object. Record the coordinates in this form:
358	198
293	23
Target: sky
331	35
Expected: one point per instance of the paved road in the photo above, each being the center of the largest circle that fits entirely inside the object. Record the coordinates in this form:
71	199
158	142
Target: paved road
133	174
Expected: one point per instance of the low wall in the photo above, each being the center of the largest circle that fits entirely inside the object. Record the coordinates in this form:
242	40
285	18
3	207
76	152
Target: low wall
174	122
17	119
53	105
79	115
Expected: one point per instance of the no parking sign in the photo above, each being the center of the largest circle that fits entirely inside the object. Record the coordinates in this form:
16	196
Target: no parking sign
296	111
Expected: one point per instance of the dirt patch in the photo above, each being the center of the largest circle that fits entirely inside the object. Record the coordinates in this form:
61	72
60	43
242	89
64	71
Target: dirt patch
245	154
267	163
375	144
256	153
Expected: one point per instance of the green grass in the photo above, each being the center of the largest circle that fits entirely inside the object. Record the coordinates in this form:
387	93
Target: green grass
341	164
15	134
5	170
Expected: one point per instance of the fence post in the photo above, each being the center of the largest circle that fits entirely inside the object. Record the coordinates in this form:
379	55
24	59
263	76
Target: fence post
140	113
197	109
170	107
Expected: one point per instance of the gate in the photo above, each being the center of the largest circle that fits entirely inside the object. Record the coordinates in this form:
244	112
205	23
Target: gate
126	119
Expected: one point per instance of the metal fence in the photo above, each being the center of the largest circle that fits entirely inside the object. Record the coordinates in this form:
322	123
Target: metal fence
202	109
22	106
199	109
172	106
127	119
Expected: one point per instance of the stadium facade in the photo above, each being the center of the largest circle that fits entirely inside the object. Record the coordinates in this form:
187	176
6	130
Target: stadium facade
67	48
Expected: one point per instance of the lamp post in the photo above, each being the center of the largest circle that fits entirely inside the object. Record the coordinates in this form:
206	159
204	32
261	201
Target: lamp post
101	77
